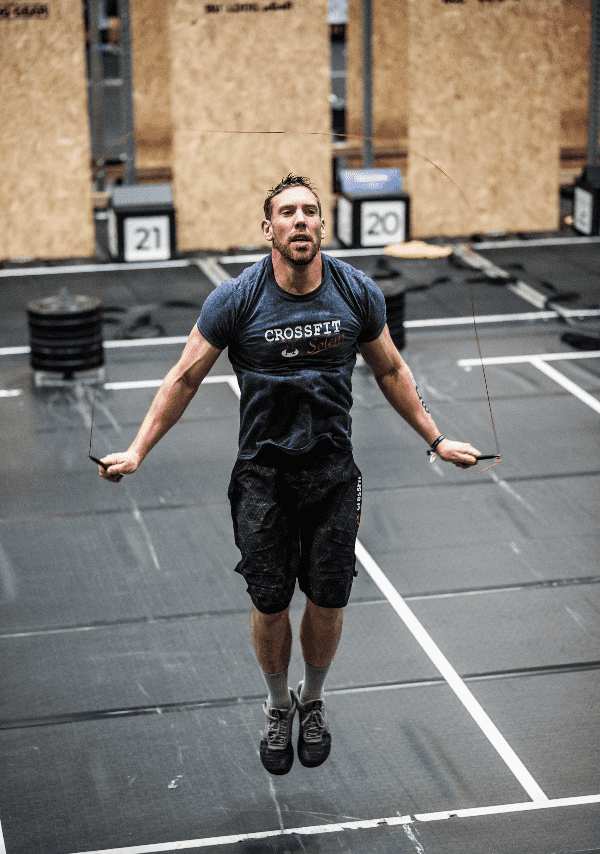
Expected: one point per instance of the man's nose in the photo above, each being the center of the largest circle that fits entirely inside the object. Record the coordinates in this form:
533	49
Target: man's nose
300	219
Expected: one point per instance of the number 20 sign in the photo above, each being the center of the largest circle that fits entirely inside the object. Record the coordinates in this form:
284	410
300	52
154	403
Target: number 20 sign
146	238
382	222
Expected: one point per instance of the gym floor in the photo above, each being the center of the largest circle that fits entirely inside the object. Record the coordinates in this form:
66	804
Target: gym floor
464	700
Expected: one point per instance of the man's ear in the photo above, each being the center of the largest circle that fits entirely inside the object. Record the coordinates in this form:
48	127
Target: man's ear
267	229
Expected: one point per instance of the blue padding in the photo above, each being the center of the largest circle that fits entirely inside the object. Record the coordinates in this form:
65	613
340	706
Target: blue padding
369	181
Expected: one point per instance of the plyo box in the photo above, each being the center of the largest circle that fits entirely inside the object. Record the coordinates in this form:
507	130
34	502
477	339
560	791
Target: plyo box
586	207
141	223
372	209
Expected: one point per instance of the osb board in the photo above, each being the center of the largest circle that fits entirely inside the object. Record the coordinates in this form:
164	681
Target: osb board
251	71
575	40
389	48
45	180
151	83
483	108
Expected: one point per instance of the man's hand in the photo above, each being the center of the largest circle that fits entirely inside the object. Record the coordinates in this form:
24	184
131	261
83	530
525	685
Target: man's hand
461	454
125	462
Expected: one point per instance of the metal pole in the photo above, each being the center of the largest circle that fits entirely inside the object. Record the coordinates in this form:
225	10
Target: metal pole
593	164
96	88
127	92
367	63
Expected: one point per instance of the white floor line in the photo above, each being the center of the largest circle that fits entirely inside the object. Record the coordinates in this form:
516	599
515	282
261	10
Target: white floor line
138	384
368	824
379	250
540	361
535	242
128	385
426	323
24	350
519	360
467	320
146	342
132	384
252	257
454	681
537	360
2	845
462	250
213	271
500	809
116	266
14	351
567	384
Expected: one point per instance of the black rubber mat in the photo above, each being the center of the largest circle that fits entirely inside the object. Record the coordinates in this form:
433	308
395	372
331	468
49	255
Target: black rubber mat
565	268
130	703
171	297
434	288
530	712
202	777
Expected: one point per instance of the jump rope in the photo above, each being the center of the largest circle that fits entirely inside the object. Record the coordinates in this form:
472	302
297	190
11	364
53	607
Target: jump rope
497	456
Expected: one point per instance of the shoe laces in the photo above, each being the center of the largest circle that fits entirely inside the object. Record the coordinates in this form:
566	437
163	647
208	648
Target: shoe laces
278	729
313	725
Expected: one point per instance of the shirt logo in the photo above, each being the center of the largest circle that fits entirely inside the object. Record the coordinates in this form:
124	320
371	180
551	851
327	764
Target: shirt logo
309	330
325	344
323	336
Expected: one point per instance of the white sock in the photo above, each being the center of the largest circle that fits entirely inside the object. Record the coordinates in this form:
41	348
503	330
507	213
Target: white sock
314	679
279	692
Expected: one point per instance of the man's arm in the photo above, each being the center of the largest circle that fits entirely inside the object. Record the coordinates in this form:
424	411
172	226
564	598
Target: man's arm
396	382
178	388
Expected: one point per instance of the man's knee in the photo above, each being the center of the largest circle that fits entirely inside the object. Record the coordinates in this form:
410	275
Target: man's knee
269	619
324	615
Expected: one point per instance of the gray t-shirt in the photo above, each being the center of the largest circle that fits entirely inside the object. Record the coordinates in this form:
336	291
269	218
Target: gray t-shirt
293	355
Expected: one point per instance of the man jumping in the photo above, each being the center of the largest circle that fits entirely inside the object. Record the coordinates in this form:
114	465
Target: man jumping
293	323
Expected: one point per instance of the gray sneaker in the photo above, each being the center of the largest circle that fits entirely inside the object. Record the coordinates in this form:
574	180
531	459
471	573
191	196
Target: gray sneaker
314	741
276	751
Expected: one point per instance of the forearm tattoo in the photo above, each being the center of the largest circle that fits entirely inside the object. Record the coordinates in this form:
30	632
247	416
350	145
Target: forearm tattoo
419	393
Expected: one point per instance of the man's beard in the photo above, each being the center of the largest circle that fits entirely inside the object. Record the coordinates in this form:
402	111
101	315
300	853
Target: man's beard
303	261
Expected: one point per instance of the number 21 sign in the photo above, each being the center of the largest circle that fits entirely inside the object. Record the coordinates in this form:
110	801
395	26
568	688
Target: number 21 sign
146	238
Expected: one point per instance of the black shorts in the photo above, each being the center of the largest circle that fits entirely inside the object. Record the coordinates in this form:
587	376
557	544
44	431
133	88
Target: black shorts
296	517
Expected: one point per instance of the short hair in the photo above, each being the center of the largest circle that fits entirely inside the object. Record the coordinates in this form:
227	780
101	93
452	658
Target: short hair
289	181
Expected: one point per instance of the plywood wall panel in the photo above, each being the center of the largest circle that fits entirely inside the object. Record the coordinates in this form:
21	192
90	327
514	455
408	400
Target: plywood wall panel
575	39
151	83
483	107
251	71
45	180
389	69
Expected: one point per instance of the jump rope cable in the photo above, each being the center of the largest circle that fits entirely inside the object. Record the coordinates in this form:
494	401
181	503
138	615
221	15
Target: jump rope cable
102	160
498	455
97	169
